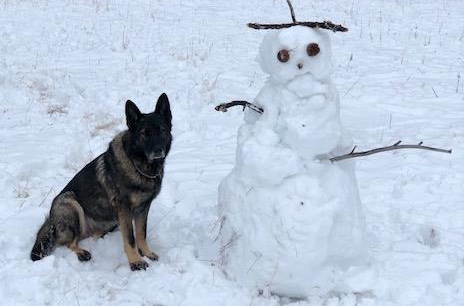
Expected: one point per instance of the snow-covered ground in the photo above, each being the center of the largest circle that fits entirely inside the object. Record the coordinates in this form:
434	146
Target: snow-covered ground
68	66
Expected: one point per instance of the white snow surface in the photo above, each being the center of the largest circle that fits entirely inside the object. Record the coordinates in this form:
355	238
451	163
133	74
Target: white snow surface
68	66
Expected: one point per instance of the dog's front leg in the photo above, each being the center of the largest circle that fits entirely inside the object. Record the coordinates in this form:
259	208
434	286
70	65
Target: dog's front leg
140	219
125	224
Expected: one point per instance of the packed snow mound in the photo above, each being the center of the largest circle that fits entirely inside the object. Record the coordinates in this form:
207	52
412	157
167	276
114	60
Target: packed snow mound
297	238
308	125
301	102
291	220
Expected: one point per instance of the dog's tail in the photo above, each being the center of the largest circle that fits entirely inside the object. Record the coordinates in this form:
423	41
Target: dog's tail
45	242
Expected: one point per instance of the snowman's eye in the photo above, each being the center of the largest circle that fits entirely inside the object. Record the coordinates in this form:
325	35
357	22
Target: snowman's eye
313	49
283	56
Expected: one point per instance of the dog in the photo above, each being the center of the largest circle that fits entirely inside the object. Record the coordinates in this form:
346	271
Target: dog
114	190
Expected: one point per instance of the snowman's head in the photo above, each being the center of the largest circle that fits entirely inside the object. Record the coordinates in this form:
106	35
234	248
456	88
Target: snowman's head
288	53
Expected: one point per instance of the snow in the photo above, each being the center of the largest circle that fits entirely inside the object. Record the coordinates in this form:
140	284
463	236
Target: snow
292	220
295	239
68	66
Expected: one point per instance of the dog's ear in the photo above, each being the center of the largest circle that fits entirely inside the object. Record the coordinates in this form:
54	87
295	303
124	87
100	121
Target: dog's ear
133	114
164	109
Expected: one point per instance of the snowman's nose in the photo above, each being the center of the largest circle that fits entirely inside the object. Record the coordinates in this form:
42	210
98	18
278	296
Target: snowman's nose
300	65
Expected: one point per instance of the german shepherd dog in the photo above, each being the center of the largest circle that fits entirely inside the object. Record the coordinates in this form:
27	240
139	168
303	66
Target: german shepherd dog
113	190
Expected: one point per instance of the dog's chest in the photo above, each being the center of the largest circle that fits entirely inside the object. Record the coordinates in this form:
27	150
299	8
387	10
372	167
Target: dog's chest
137	198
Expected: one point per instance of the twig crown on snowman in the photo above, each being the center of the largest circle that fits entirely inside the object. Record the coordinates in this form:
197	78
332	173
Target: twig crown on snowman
311	24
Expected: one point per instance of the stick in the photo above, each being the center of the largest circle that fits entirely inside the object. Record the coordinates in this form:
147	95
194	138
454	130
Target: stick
318	25
224	106
311	24
291	11
395	146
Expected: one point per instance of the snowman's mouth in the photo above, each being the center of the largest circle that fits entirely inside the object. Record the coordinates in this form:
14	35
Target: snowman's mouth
306	85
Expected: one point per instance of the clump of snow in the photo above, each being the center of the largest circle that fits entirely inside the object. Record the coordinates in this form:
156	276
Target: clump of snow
292	220
296	238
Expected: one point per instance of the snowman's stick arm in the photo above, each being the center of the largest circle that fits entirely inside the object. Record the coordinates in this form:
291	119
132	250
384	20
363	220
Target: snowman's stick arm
396	146
311	24
224	106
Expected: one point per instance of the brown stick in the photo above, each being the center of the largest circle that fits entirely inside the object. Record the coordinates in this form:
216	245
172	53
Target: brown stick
224	106
311	24
395	146
318	25
291	11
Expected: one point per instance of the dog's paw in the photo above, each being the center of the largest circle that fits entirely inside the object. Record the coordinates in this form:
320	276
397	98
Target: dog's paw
152	256
84	255
138	265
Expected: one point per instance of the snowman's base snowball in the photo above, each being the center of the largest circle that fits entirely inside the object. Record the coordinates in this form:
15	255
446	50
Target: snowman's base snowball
296	238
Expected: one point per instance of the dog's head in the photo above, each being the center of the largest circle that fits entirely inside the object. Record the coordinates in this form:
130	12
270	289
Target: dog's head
150	134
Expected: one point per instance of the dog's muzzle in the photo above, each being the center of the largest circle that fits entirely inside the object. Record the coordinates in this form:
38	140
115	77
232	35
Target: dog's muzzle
157	154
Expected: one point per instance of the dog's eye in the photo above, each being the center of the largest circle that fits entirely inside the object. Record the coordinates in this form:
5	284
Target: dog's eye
143	133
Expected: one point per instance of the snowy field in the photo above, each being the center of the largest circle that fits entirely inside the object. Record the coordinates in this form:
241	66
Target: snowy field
68	66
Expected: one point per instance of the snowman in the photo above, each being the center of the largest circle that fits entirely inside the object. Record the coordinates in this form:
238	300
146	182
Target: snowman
291	220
